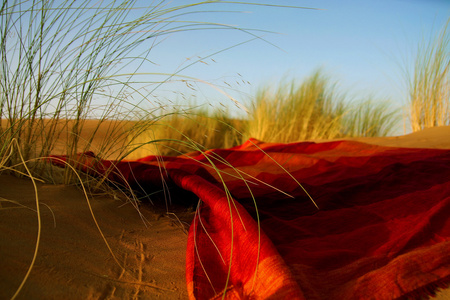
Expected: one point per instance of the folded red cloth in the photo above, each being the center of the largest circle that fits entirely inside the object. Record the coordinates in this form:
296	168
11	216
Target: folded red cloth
382	230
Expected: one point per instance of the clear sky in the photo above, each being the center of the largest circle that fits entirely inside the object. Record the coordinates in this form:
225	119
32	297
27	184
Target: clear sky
362	44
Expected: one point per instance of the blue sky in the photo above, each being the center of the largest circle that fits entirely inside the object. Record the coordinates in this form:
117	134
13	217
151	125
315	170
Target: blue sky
361	44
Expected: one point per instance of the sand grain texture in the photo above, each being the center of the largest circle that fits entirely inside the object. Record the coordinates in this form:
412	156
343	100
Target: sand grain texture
73	261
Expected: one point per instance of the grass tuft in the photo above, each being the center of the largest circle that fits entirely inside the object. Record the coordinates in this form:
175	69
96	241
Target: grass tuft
66	62
314	110
429	83
186	130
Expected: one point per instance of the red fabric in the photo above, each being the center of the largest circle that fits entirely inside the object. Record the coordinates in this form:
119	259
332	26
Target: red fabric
382	230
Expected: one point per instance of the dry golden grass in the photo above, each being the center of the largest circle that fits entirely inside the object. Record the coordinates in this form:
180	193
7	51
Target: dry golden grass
185	130
314	110
429	83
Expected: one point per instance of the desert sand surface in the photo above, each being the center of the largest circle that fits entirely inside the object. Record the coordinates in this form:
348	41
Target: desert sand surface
74	262
433	138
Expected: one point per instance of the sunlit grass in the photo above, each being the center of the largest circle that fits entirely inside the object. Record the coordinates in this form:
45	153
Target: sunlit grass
186	130
370	117
313	109
65	62
429	83
296	111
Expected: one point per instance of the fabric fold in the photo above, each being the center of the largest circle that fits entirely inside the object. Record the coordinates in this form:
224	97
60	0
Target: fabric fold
382	230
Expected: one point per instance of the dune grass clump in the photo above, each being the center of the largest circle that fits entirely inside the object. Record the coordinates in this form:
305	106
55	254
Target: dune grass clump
429	83
66	62
58	59
314	110
186	130
291	113
369	118
296	112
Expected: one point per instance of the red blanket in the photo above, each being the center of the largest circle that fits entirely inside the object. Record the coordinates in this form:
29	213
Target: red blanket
382	230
